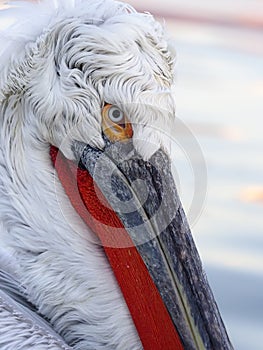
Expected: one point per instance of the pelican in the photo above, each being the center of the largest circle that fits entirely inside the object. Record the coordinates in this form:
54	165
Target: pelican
96	252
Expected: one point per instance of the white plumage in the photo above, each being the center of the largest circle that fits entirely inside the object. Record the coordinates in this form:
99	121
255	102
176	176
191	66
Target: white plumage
60	61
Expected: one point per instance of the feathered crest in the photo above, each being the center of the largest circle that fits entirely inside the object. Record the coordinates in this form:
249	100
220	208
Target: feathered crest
23	21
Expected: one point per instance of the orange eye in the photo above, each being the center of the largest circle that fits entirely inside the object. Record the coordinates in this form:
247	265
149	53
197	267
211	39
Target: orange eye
115	124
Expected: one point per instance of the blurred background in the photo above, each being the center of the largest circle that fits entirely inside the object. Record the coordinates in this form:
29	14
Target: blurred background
219	95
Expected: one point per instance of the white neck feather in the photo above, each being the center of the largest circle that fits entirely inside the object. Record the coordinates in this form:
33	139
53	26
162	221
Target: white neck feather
60	260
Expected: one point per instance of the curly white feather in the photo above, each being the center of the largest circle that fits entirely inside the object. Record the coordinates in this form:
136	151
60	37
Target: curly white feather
141	49
22	22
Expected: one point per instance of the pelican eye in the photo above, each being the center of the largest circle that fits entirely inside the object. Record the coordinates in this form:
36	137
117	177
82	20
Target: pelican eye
115	114
115	124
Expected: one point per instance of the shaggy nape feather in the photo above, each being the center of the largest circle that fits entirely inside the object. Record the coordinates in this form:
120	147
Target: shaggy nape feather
63	61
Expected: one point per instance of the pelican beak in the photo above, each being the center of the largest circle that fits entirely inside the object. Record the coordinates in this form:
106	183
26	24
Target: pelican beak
144	196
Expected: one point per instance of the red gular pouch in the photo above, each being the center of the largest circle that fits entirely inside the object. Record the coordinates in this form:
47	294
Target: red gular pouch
151	318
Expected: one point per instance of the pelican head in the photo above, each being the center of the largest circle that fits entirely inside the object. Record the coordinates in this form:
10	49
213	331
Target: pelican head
88	86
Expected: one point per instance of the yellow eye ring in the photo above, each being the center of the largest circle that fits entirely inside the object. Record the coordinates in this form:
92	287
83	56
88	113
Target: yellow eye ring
115	124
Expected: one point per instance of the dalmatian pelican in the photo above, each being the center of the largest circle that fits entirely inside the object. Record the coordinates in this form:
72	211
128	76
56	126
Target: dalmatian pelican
96	252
